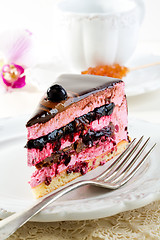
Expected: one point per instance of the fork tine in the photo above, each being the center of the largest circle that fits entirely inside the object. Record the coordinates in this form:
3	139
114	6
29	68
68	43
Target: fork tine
115	163
119	175
117	160
129	176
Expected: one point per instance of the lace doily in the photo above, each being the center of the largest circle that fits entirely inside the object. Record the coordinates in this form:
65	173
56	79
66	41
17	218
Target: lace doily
142	223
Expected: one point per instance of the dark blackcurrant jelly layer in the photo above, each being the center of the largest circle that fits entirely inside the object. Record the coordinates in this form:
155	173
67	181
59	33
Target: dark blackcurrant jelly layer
90	139
79	124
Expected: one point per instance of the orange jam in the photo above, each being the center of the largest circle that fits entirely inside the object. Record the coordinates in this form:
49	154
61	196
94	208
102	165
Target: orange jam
115	71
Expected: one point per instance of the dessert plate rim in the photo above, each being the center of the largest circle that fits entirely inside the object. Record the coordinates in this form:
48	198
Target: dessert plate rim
143	189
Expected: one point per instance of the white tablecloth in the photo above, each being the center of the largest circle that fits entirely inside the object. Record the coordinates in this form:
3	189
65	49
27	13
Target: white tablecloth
139	224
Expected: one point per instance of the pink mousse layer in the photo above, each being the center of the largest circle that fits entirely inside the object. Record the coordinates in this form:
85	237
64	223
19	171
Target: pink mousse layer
114	94
118	118
40	176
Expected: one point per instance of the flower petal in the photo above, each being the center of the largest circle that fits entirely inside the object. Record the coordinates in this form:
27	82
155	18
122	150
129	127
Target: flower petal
17	47
19	68
19	83
12	76
5	68
8	84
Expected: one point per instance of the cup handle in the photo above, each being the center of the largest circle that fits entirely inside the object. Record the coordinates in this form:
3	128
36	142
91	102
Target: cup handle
141	5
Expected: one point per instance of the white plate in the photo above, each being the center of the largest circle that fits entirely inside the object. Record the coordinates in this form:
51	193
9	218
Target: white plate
84	203
137	82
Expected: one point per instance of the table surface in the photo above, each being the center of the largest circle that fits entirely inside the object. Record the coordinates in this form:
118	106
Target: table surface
142	223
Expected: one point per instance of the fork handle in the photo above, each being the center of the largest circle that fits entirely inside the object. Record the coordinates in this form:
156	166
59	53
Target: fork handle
10	224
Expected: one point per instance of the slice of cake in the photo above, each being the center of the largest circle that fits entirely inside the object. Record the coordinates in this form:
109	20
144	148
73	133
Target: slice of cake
74	132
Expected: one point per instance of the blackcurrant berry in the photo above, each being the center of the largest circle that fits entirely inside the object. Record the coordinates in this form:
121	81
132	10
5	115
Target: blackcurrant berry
56	93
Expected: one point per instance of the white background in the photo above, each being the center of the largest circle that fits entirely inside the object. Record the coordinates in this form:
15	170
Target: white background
37	16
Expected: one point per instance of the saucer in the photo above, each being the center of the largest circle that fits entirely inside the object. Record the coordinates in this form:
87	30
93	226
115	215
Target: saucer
137	82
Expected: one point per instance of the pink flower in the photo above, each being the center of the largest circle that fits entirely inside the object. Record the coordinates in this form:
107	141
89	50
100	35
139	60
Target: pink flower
17	49
12	75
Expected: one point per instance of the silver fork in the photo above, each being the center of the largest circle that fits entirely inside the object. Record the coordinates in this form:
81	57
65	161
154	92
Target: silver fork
117	174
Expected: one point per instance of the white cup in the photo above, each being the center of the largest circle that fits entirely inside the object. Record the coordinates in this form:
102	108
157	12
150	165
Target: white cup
94	32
